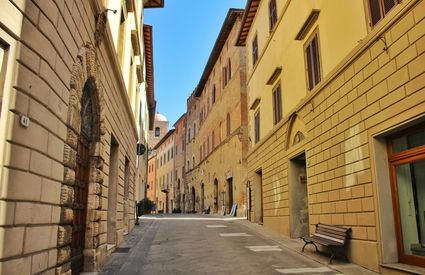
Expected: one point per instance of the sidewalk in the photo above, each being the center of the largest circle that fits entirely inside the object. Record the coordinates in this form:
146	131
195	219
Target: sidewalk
296	245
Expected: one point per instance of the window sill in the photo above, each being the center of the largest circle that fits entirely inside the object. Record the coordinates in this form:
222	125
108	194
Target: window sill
405	267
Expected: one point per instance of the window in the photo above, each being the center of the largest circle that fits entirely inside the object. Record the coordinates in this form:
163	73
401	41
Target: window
213	94
201	156
313	61
277	104
188	135
213	140
254	50
194	130
257	126
407	165
379	8
157	131
272	14
228	124
193	162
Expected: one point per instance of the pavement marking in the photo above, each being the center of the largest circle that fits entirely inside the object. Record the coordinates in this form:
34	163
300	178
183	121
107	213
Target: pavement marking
234	235
304	270
215	225
260	248
191	219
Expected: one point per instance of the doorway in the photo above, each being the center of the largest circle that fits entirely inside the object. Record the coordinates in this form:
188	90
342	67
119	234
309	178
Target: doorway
298	197
258	197
193	197
230	194
112	192
215	196
406	153
202	197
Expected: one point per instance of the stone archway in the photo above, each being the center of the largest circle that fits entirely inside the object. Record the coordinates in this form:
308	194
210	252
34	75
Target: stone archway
85	76
296	131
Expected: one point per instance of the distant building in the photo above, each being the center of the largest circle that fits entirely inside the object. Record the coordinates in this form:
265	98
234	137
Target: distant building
220	137
165	179
179	162
160	129
336	98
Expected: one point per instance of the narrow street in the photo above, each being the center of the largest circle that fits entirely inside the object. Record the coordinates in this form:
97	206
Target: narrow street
196	244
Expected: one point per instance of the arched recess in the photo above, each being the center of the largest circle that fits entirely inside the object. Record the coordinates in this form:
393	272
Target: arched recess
85	119
296	131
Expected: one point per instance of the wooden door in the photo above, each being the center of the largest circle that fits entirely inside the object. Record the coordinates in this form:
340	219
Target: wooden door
80	204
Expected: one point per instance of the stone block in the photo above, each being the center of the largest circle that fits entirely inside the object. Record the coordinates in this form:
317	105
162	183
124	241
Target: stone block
39	238
40	164
39	262
21	185
48	74
49	8
67	195
7	212
35	39
416	66
64	254
69	157
15	239
55	147
67	215
384	72
17	156
32	213
57	171
53	257
50	191
19	266
56	214
69	176
402	26
29	58
33	137
366	219
64	235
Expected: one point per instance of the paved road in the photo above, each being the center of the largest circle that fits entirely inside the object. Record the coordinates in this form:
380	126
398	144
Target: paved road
191	244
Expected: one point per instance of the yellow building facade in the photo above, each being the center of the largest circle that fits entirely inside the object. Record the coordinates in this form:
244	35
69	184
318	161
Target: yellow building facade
164	174
336	109
220	140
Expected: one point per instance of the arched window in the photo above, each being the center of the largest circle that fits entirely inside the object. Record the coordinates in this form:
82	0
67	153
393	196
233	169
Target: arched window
86	111
193	162
188	135
228	124
157	131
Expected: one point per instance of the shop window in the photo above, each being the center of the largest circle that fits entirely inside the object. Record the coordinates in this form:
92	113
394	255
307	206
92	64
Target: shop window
407	165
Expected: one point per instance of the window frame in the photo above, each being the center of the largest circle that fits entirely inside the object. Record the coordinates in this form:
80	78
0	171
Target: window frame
257	125
272	15
382	11
277	103
254	50
313	37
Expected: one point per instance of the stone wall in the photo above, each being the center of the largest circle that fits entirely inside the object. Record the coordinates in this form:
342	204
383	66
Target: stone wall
56	55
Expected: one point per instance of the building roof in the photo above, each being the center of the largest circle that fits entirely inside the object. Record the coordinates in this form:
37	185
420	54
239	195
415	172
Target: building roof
167	135
147	4
160	117
230	20
180	118
148	41
248	18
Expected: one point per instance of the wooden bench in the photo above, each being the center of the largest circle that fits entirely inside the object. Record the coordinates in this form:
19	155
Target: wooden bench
328	235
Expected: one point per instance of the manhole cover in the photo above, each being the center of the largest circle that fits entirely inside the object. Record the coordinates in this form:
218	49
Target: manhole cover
122	250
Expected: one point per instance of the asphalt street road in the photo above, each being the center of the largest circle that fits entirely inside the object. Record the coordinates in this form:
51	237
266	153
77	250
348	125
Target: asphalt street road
195	244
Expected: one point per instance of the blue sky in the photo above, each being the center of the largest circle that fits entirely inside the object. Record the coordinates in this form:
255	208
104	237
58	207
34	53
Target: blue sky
184	33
